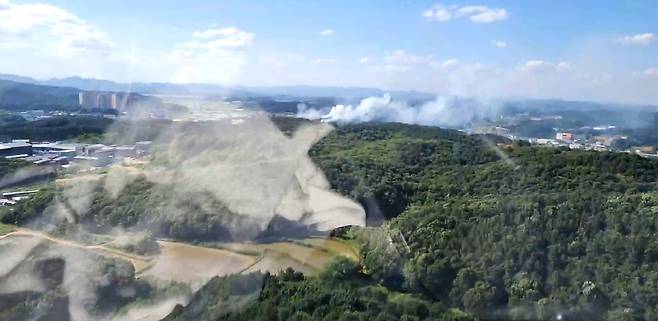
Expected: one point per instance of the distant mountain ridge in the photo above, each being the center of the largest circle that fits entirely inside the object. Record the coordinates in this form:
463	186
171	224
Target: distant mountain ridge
348	93
22	95
351	95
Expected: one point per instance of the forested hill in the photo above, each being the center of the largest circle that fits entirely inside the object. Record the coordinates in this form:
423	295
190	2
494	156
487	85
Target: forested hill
391	166
508	233
524	232
384	165
22	96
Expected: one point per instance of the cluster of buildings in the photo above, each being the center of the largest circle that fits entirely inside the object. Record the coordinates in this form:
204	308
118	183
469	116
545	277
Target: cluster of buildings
63	154
106	100
37	114
49	156
11	198
599	143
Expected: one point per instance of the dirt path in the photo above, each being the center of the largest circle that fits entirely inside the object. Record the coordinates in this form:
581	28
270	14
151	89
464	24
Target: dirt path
139	262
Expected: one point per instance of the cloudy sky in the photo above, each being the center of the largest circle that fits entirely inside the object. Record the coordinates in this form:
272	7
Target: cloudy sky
587	50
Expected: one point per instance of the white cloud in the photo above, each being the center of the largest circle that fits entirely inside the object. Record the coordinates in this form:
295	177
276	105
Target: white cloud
402	61
653	71
220	39
393	68
471	10
477	14
532	79
50	29
499	44
401	56
535	64
212	55
449	63
563	66
365	60
320	61
541	65
642	39
327	32
483	14
437	13
398	68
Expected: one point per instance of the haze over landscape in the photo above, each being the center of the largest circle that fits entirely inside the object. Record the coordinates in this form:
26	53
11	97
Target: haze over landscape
331	161
502	49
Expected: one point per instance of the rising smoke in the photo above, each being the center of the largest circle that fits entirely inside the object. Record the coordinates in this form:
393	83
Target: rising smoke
444	111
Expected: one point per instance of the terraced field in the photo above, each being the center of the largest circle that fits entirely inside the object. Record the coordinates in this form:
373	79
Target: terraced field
194	264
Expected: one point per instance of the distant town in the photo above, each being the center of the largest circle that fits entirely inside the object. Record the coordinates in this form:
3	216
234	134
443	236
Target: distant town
49	157
106	100
597	138
66	154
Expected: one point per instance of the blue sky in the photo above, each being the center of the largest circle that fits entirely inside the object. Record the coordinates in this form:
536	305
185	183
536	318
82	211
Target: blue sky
587	50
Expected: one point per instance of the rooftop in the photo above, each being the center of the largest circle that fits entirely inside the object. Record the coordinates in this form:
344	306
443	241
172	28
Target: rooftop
14	145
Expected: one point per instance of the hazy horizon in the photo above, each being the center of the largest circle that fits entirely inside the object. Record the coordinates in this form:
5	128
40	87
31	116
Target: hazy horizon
575	51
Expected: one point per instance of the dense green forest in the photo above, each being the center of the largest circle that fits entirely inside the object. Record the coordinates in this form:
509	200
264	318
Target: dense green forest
501	230
141	206
21	96
518	233
343	292
56	128
81	127
507	232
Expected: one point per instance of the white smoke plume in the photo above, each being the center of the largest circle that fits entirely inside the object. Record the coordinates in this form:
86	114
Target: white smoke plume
444	111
